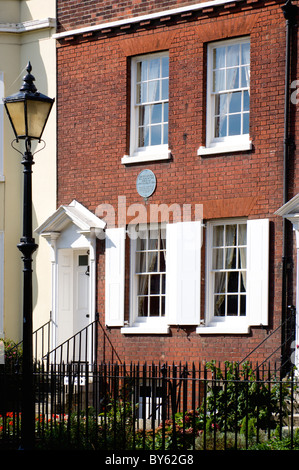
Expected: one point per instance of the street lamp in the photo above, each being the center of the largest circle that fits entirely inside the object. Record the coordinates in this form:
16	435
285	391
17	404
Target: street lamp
28	112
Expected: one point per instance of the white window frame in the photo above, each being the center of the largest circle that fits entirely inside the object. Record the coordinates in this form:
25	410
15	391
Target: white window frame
150	324
229	143
151	152
211	272
183	279
257	272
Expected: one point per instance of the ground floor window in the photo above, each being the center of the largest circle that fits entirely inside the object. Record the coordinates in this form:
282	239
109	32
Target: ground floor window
151	272
229	268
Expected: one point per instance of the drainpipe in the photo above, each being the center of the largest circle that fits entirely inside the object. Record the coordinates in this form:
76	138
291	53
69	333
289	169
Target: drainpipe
290	13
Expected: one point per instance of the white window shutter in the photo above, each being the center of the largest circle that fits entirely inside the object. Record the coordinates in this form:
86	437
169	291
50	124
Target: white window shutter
183	272
114	276
257	282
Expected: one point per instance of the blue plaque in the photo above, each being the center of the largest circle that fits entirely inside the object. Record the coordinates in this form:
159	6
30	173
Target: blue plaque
146	183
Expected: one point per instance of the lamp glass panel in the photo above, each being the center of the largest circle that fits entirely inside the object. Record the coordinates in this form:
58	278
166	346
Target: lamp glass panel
37	114
17	116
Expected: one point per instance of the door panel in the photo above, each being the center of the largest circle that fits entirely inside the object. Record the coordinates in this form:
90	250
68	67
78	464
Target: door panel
73	296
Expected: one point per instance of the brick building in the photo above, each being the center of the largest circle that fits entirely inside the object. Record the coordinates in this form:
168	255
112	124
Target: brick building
172	163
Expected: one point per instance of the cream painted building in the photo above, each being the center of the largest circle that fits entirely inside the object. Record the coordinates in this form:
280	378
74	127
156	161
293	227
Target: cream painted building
26	30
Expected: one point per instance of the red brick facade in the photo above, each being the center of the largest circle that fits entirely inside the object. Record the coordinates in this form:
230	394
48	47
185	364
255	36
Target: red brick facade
93	136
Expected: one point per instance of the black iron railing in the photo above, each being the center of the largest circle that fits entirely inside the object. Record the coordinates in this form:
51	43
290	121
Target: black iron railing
80	348
153	407
285	346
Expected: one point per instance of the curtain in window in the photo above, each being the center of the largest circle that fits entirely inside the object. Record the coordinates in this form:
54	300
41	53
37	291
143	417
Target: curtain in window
242	252
222	277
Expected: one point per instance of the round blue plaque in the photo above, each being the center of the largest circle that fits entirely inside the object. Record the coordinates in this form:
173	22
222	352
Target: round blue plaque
146	183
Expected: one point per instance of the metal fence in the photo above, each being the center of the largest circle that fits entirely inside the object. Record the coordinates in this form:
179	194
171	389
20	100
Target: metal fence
152	407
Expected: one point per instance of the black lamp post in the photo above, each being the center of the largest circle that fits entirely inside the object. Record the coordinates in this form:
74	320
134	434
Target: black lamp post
28	112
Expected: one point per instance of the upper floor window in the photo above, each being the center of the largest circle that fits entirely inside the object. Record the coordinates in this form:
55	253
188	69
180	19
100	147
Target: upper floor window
228	95
149	107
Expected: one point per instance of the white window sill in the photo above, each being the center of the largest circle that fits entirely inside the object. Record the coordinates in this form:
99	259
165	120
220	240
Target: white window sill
143	157
147	329
2	178
219	328
225	148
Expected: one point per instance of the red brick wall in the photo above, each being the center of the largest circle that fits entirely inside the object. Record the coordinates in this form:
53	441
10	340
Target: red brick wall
73	14
93	122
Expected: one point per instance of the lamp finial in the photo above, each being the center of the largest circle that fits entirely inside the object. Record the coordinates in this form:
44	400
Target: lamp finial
28	85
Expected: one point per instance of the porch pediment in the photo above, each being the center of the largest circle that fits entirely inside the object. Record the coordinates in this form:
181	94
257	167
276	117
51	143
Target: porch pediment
74	213
290	211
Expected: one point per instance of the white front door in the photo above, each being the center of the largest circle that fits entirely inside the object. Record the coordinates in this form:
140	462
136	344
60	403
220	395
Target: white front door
73	312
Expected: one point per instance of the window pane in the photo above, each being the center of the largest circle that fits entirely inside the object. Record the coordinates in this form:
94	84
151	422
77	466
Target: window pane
233	282
156	135
246	123
162	306
83	260
220	280
156	113
230	235
242	234
143	285
142	306
245	101
154	306
153	91
164	89
165	112
221	126
143	140
230	258
242	258
232	79
218	235
245	53
144	70
245	77
144	115
232	305
219	305
242	305
217	259
155	284
165	134
141	93
154	69
242	281
152	262
219	80
165	67
141	71
163	283
234	124
219	57
233	53
220	104
235	102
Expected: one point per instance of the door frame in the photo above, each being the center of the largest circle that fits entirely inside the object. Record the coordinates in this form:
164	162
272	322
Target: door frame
72	227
